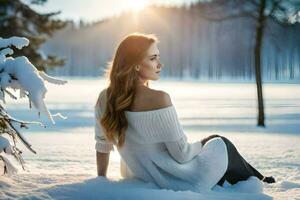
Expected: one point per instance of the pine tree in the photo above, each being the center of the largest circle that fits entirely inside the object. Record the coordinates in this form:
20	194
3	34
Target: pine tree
17	18
17	74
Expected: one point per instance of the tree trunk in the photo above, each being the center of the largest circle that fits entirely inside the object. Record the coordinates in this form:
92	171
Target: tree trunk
257	54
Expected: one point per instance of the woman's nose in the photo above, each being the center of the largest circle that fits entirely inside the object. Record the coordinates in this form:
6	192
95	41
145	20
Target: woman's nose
160	65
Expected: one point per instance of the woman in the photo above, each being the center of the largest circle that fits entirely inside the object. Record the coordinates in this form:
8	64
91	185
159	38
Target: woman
143	124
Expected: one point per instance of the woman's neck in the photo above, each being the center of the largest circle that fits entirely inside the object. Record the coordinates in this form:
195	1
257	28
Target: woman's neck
142	83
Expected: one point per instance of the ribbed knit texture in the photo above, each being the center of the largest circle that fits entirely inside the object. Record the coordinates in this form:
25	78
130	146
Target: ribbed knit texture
156	150
154	126
102	144
146	127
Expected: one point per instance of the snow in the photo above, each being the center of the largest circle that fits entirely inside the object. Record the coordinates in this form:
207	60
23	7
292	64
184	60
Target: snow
295	18
4	144
65	165
18	42
19	74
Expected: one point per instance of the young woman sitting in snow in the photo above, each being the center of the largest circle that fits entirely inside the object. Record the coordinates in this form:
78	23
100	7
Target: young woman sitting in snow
142	123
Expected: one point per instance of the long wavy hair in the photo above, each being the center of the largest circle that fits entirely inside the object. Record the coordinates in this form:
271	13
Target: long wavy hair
122	82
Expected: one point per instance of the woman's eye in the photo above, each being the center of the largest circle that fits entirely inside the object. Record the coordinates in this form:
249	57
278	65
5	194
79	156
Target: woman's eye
152	58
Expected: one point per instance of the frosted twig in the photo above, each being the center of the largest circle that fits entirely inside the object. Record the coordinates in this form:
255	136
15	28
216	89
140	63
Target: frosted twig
20	136
51	79
6	116
10	94
59	115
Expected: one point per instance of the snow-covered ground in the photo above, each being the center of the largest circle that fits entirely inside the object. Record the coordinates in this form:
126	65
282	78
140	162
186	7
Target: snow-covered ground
65	168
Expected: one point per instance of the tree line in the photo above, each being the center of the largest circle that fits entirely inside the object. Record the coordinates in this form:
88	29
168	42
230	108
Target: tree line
190	45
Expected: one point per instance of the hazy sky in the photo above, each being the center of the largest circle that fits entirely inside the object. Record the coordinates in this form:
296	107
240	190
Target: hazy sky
93	10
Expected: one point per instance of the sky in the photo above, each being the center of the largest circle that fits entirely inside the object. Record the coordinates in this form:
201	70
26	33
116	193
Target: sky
94	10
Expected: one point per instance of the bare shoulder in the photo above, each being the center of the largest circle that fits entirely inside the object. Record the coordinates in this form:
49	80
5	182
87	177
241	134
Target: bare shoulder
150	99
162	99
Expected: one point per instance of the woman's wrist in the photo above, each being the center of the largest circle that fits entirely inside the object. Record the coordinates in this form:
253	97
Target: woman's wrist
102	163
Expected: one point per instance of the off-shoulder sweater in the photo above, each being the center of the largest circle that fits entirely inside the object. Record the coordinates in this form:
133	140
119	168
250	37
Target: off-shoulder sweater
156	150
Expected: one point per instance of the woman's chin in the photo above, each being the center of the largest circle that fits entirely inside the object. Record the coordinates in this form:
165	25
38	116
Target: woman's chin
154	78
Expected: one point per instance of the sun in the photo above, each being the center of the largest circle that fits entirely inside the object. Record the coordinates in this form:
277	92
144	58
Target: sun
137	5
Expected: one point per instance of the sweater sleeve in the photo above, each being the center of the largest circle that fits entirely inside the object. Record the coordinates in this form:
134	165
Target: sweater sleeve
182	151
102	144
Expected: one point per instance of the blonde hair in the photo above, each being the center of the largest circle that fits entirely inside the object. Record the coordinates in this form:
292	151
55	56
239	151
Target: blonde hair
121	90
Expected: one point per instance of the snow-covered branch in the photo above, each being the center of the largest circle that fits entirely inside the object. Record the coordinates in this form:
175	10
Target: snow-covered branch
19	74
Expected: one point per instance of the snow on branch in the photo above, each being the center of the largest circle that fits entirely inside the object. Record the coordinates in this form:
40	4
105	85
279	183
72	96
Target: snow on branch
18	42
295	18
19	74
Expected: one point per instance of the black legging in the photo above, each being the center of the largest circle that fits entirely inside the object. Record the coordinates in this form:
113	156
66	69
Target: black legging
238	168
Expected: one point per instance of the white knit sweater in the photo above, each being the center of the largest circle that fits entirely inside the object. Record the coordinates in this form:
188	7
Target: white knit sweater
156	150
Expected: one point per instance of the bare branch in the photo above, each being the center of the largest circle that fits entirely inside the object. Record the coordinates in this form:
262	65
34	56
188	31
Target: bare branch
229	17
17	155
7	117
13	132
255	3
20	136
246	10
274	7
280	22
10	94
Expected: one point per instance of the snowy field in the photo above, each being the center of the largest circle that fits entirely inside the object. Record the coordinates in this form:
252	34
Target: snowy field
65	166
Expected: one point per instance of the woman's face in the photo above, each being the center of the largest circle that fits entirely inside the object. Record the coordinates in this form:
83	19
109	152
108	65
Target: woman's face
150	66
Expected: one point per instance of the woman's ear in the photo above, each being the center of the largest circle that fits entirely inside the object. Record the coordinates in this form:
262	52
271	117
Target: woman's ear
137	67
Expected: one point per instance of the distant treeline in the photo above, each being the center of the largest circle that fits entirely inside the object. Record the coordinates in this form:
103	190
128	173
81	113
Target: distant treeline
190	45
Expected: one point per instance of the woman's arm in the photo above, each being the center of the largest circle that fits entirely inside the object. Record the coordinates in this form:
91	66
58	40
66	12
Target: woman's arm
182	151
103	146
102	163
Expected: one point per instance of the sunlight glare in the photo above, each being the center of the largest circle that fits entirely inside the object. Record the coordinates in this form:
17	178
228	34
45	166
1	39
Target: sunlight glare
137	5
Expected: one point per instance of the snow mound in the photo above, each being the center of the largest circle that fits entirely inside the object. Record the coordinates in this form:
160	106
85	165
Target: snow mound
103	188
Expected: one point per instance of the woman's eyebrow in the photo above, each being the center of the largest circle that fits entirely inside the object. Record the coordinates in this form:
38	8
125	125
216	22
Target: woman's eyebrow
154	55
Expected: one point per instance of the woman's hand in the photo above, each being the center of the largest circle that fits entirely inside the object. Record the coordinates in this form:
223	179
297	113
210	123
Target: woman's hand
102	163
204	140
